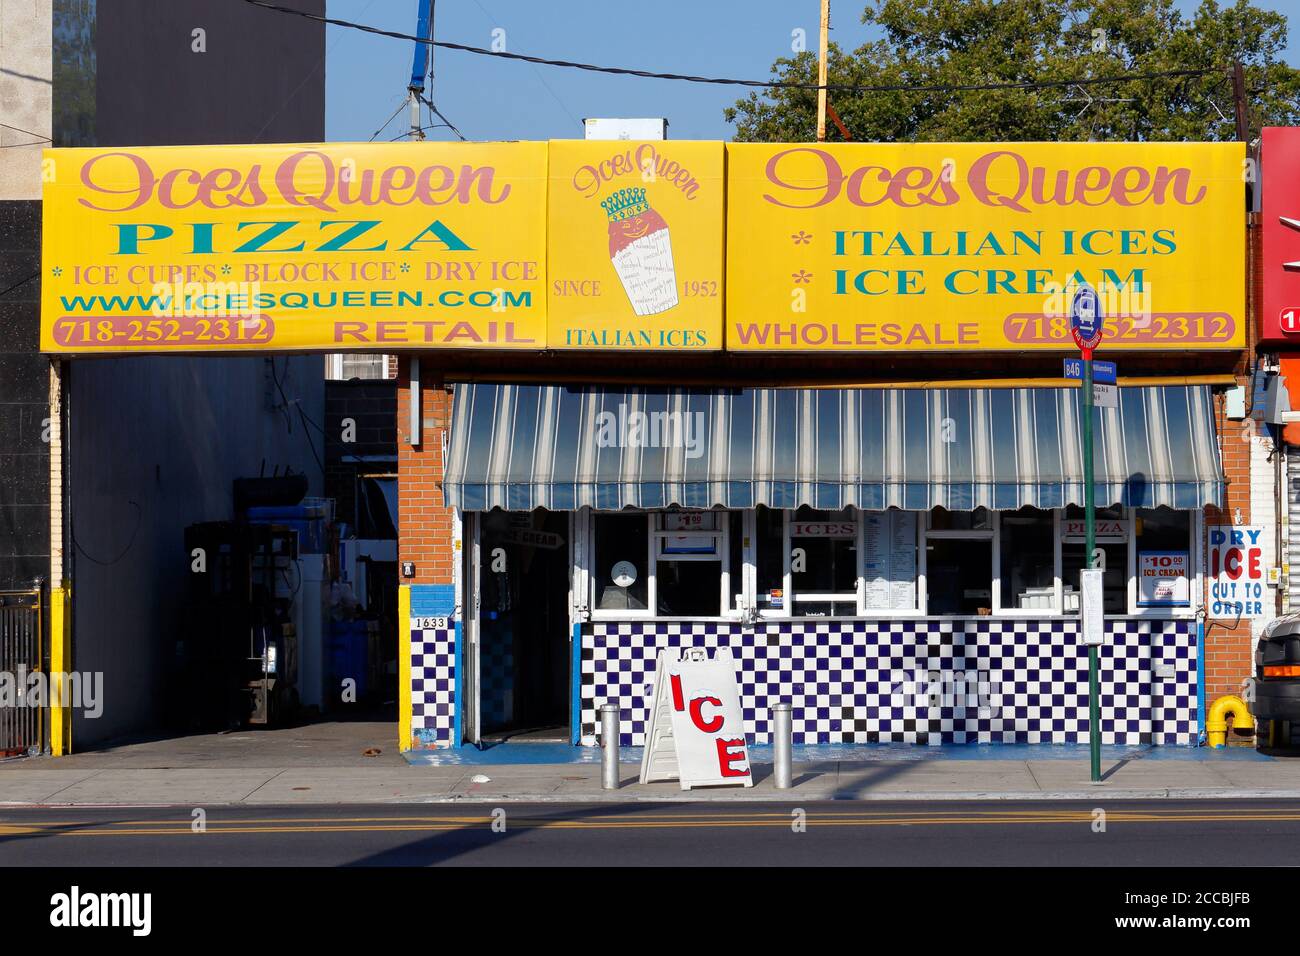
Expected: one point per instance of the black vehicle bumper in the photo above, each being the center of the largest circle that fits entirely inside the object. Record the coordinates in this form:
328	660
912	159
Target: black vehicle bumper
1276	700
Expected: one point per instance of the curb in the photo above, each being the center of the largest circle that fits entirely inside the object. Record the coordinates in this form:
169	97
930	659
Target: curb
782	796
787	796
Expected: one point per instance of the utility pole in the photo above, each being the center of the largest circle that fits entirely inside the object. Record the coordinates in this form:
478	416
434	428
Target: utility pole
1239	101
1090	545
1086	326
821	71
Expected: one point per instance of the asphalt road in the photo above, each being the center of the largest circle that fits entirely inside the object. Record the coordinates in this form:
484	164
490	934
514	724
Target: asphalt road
1036	833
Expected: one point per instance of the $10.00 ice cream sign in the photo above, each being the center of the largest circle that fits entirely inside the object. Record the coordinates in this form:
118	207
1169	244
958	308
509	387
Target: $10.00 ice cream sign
635	245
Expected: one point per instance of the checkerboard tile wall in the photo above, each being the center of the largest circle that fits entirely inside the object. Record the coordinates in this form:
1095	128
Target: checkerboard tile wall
497	681
922	681
433	686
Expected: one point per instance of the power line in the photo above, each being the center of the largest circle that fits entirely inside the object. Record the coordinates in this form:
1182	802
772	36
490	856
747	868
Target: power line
301	83
40	139
5	292
536	72
19	129
724	81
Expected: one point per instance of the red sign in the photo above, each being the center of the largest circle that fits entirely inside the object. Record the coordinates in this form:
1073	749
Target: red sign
1280	184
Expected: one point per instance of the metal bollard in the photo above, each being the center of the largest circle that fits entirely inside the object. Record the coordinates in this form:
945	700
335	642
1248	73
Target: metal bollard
609	743
781	743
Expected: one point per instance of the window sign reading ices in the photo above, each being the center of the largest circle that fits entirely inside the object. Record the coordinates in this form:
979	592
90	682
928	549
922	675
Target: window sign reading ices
823	529
1238	576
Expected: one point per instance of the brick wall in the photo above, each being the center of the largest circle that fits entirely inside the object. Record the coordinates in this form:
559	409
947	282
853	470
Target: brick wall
425	523
1229	645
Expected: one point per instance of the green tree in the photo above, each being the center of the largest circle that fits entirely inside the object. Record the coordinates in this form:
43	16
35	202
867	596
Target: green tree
949	43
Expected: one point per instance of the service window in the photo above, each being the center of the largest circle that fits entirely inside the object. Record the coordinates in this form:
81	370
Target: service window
959	562
959	575
736	543
620	547
824	562
1112	530
1163	552
769	545
1027	560
689	550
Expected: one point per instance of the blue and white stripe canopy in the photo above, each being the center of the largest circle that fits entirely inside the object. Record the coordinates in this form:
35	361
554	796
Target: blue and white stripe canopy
520	447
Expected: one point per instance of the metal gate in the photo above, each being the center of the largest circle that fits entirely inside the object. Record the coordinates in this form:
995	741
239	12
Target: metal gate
22	647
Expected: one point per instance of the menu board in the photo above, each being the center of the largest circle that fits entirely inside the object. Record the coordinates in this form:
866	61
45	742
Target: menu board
889	545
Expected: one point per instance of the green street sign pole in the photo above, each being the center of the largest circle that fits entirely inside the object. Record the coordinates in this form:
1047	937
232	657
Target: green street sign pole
1089	516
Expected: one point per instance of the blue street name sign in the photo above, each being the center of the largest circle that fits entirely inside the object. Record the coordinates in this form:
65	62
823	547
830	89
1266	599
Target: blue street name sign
1103	373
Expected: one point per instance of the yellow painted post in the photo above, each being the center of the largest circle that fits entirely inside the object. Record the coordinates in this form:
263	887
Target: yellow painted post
404	667
60	664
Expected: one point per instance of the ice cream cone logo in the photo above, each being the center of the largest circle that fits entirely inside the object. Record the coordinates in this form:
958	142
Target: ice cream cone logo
641	251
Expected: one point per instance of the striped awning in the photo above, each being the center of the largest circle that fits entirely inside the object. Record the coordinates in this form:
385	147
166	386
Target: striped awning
520	447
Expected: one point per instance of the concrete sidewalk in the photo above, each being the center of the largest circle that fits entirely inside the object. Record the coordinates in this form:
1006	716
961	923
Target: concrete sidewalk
336	764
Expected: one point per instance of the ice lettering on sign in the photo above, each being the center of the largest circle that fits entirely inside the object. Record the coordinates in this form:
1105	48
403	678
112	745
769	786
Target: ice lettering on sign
712	722
1236	565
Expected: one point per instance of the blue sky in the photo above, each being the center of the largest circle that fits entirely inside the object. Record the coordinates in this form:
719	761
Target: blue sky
486	99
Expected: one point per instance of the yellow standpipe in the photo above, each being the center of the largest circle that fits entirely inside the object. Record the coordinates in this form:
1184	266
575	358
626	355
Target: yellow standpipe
1216	724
